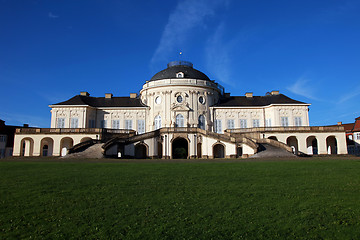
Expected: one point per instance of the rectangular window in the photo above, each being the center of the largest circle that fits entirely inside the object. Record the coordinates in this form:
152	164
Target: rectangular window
91	123
256	123
115	124
141	126
60	123
268	122
2	138
218	127
284	121
103	124
74	122
298	122
243	123
230	124
128	124
357	136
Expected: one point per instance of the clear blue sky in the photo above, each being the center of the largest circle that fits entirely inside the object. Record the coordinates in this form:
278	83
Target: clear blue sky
52	50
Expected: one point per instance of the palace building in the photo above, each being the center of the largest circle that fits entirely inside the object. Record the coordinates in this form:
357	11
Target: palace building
180	113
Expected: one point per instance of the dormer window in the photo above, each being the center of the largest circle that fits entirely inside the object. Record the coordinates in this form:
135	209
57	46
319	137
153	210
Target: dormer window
180	75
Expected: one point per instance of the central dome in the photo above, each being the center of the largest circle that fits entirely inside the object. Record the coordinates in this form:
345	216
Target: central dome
176	67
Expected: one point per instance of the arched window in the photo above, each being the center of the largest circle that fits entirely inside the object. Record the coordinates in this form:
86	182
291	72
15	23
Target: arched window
157	122
179	120
202	122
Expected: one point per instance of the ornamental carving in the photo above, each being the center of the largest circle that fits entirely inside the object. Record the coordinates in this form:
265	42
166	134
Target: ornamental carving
284	112
242	114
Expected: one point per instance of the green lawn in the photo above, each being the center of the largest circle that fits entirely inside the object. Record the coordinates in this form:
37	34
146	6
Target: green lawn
310	199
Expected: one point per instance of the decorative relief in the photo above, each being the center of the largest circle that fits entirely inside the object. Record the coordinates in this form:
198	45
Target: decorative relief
230	114
242	114
284	112
140	114
255	114
61	114
297	112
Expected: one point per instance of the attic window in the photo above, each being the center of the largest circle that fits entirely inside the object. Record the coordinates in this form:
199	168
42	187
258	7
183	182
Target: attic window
180	75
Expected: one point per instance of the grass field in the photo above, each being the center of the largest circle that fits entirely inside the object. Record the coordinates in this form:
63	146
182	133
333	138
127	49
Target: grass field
309	199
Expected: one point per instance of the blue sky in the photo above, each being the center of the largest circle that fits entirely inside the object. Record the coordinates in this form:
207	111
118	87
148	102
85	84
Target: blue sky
52	50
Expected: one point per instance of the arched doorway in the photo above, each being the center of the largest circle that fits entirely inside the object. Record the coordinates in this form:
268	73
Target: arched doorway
27	147
47	145
239	152
180	148
312	145
140	151
65	144
331	145
219	151
293	143
160	146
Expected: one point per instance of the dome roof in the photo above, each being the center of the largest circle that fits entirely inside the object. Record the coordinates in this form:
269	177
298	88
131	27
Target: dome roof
180	66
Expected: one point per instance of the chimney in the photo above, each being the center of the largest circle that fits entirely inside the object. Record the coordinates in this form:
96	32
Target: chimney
133	95
274	93
339	123
85	94
249	94
26	125
108	95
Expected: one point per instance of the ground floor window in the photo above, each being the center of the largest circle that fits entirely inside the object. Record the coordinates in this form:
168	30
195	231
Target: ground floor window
141	126
230	124
256	123
115	124
60	122
74	122
284	121
218	127
298	121
243	123
128	124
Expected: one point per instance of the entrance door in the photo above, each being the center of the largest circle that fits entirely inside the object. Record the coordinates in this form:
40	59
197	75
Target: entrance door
179	148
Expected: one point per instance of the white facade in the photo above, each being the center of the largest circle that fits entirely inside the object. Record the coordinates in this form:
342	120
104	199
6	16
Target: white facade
178	113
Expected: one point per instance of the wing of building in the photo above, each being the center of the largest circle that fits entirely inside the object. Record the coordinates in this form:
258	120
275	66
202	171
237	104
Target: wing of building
180	113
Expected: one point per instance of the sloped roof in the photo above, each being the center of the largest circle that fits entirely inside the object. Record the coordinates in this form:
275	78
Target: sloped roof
103	102
348	126
356	125
243	101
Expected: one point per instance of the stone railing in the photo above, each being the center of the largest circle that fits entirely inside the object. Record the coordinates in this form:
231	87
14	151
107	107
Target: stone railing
73	130
287	129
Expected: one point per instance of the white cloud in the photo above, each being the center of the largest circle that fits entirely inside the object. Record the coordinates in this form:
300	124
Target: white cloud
51	15
187	15
303	87
350	95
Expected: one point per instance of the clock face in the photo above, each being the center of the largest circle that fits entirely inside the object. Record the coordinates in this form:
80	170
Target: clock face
158	100
179	99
